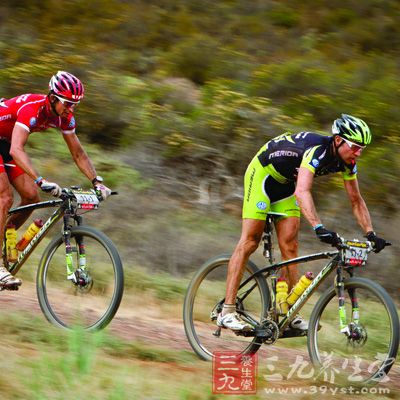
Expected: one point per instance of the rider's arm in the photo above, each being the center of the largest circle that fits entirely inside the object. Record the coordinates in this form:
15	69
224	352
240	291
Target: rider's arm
79	155
305	179
17	152
360	209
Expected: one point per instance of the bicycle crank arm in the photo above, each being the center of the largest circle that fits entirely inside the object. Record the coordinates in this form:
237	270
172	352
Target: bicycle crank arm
261	333
288	333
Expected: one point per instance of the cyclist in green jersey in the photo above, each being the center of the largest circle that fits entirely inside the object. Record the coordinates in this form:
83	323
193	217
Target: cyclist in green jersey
279	179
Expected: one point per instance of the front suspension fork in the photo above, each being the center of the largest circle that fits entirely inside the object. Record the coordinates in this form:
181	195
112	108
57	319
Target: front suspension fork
69	261
344	327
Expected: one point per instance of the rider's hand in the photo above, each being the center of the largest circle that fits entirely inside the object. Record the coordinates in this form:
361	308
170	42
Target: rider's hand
49	187
103	190
378	243
327	236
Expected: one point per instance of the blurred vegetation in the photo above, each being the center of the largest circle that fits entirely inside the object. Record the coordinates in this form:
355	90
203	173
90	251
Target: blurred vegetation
180	95
205	83
48	363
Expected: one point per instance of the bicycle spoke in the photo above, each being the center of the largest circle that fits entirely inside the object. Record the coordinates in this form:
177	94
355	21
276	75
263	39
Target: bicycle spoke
94	298
202	331
365	350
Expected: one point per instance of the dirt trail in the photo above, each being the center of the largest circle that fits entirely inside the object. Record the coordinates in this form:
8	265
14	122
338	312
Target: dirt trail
150	328
129	323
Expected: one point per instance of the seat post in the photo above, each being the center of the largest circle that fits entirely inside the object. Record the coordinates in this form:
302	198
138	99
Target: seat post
267	239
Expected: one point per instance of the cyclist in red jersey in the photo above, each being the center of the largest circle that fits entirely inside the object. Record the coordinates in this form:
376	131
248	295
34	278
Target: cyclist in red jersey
19	117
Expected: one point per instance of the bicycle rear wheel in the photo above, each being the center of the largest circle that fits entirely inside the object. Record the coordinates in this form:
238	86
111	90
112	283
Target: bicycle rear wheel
367	354
204	297
91	305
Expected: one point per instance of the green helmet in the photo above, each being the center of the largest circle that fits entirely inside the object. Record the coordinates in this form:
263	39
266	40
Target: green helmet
353	129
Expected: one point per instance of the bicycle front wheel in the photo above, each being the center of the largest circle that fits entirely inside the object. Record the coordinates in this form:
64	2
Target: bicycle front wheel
204	300
366	352
91	304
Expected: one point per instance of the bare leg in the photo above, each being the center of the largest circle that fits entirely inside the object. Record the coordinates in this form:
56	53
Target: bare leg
252	230
287	231
6	200
28	191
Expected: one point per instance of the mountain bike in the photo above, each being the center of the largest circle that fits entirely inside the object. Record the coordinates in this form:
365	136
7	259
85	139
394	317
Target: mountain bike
80	278
354	324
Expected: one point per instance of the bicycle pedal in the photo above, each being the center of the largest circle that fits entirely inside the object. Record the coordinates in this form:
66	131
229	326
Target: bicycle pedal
11	287
213	316
217	332
249	333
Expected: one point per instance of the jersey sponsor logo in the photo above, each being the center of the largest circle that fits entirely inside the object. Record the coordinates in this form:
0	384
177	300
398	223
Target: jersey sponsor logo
261	205
4	117
71	123
315	163
32	122
253	172
283	153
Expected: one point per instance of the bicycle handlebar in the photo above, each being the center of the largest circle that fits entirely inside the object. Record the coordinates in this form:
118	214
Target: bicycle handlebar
342	245
67	193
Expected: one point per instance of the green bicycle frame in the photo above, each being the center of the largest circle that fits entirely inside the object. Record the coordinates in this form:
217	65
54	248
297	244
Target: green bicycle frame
51	221
271	270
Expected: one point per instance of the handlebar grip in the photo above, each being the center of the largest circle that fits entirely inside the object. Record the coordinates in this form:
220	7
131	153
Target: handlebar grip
113	193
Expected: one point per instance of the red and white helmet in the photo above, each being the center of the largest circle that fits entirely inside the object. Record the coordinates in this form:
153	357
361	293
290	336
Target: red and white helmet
66	86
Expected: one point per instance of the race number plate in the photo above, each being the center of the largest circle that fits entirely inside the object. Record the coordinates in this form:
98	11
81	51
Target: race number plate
87	200
356	254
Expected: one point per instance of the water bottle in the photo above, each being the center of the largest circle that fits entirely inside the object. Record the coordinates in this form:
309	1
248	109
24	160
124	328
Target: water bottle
300	287
281	296
11	241
32	230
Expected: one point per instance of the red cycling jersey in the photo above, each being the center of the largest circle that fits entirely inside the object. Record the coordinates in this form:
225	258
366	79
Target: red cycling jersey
33	113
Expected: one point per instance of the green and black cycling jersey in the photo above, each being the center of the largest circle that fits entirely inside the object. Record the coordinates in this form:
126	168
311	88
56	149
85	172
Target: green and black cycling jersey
270	179
285	154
